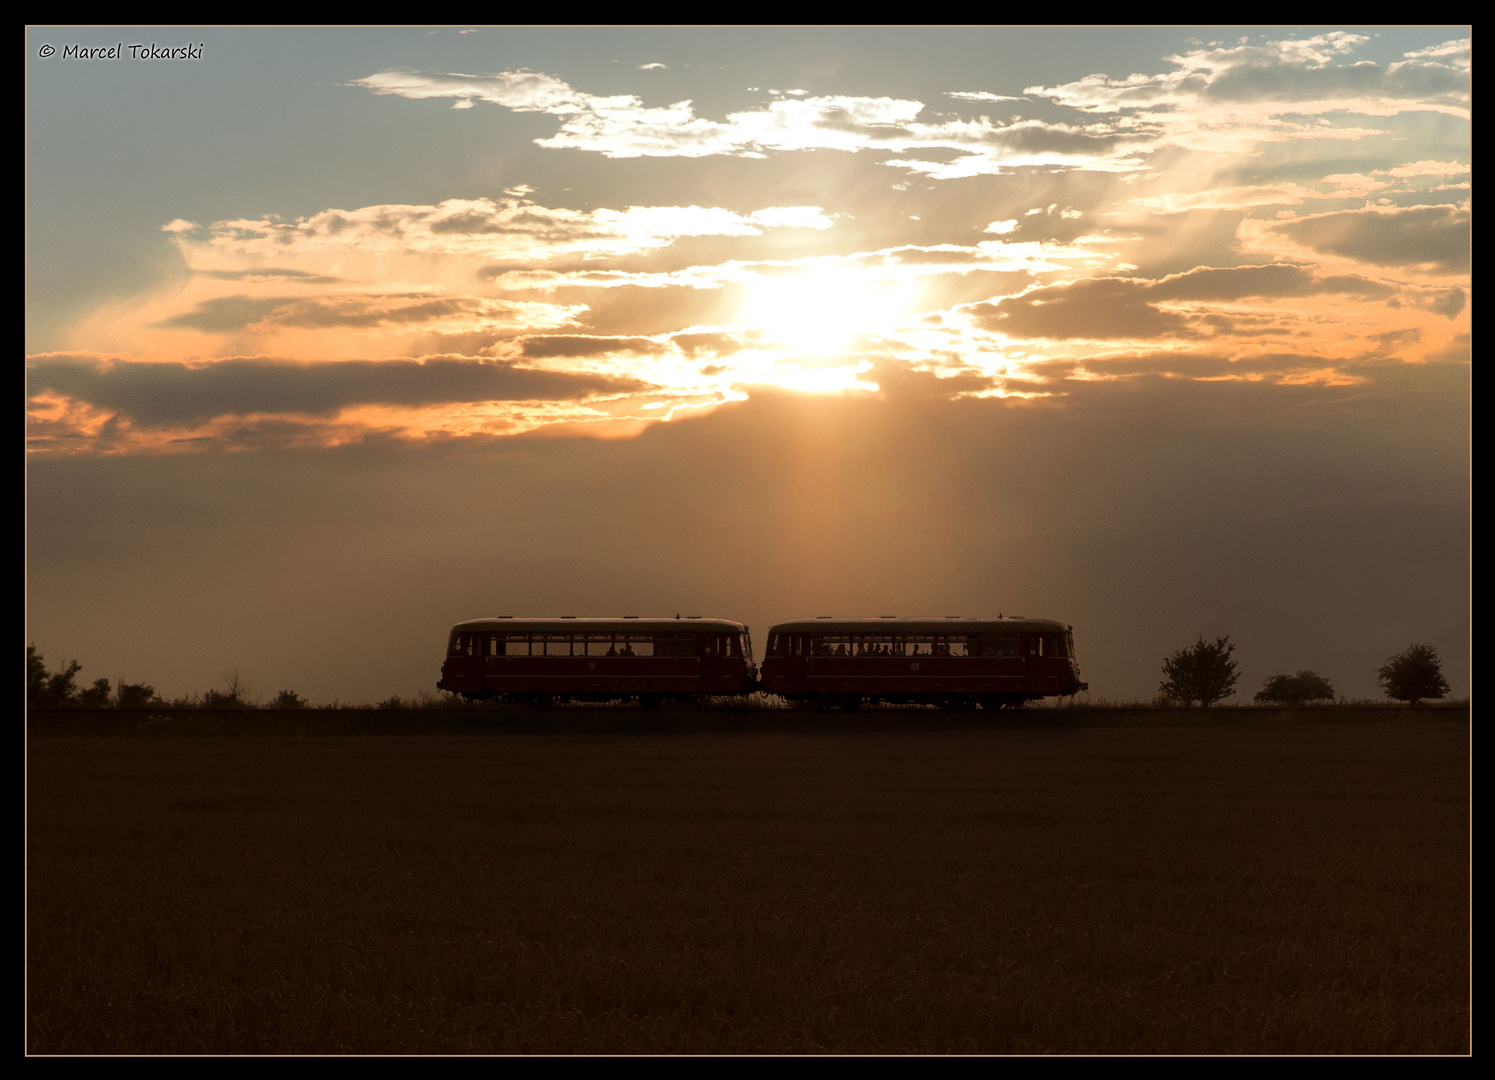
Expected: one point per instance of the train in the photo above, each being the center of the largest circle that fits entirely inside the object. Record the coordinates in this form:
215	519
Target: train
952	662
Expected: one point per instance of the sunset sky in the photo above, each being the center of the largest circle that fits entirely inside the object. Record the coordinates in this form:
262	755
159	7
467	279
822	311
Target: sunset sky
337	337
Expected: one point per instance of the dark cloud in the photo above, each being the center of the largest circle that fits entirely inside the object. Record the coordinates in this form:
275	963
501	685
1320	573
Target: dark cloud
1034	137
358	311
269	274
1276	279
1438	236
714	343
629	310
228	314
540	348
1106	308
1099	308
1271	80
1458	351
162	394
1449	303
1233	283
1354	286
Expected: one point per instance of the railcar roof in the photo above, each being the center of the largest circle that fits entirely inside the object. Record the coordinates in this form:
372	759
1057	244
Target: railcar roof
600	625
914	625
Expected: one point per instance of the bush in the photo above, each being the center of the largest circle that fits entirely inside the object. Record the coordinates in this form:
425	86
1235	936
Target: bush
1296	689
1204	672
234	695
1413	674
135	695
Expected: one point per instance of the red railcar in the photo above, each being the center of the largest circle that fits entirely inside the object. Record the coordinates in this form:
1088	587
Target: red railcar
952	662
538	661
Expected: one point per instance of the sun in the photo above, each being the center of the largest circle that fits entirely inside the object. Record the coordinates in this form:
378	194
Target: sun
819	312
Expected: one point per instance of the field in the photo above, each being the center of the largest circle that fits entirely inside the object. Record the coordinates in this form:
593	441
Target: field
980	888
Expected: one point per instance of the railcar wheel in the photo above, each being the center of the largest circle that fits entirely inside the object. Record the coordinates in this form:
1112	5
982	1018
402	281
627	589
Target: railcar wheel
650	701
850	701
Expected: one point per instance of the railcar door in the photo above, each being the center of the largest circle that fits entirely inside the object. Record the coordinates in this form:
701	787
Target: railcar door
784	665
1002	663
723	668
1045	669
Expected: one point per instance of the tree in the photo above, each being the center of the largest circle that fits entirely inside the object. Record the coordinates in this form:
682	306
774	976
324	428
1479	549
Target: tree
45	689
1204	672
96	696
1296	689
1413	674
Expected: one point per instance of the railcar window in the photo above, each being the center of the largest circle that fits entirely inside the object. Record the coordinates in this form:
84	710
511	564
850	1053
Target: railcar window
595	645
460	645
721	645
674	645
937	645
635	644
830	645
1001	644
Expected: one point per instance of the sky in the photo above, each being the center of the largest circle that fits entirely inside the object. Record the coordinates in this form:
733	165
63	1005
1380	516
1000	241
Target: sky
336	337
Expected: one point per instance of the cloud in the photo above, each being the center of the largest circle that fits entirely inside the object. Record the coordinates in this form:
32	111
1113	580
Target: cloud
170	393
622	126
1096	309
513	228
1436	237
1223	99
1306	75
226	314
1102	309
1239	282
541	348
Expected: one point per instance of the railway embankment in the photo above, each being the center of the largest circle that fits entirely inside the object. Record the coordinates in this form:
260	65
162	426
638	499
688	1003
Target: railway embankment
738	716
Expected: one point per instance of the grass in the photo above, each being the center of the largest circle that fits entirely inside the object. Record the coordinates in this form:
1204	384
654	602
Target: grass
1256	888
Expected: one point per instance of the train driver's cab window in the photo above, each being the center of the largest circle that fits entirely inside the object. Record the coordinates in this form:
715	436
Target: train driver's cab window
462	644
